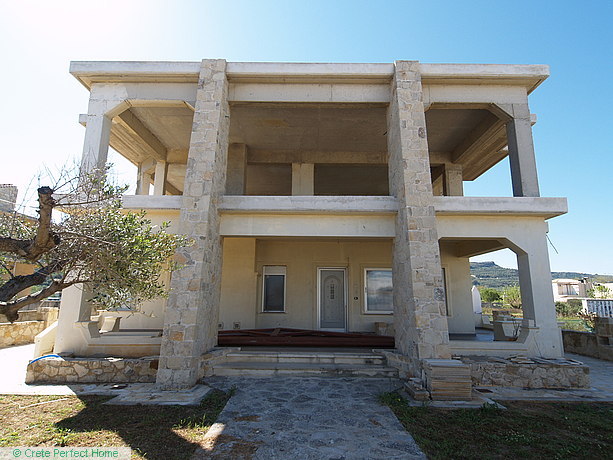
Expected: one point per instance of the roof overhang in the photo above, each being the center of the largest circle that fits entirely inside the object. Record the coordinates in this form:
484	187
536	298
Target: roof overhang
90	72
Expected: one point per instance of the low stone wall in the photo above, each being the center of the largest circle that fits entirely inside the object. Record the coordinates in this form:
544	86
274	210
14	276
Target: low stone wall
587	344
44	311
528	372
20	332
92	370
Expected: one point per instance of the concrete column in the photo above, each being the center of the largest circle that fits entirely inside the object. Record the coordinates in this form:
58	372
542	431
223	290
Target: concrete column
419	296
142	178
452	180
521	152
159	182
96	144
237	169
303	179
192	311
537	295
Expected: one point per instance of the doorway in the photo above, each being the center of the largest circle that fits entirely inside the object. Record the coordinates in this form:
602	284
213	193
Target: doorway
332	303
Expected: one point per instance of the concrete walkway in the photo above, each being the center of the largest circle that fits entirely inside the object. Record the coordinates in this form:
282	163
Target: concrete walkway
307	418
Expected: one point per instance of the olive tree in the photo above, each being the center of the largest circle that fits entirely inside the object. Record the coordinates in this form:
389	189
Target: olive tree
120	254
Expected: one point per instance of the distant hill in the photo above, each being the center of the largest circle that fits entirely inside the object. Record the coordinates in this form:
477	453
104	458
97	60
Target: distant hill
488	274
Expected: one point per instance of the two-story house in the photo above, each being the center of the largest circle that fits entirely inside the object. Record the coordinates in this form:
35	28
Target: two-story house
322	197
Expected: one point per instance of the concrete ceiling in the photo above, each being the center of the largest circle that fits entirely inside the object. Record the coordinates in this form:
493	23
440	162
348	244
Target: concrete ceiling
447	128
472	137
171	125
310	127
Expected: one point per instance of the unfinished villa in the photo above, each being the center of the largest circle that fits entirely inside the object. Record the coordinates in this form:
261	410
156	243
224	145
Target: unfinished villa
326	207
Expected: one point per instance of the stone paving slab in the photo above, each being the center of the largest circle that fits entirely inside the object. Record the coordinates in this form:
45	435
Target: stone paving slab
148	396
307	418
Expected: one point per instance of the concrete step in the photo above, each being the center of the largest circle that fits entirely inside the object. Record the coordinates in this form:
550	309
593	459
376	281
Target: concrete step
267	369
305	357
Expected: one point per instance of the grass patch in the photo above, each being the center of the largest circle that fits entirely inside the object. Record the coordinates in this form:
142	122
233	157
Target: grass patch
153	432
524	430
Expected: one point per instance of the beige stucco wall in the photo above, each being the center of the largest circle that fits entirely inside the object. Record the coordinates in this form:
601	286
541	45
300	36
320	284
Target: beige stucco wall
242	279
458	290
241	290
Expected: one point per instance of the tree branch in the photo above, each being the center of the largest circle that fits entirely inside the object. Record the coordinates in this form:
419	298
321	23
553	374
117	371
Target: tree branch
45	239
15	246
10	309
17	284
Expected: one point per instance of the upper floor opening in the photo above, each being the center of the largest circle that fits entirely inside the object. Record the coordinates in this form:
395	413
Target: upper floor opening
307	149
314	129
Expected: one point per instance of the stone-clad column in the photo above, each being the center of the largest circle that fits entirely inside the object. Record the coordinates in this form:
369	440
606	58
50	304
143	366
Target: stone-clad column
192	311
419	297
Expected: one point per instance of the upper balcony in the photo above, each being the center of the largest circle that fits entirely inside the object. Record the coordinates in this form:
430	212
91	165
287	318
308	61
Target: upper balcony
312	130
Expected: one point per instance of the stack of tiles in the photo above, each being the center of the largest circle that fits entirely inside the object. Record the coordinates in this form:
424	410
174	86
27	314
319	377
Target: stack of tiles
448	379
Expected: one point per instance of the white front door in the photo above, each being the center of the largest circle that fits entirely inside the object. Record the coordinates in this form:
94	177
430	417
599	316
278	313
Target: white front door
332	304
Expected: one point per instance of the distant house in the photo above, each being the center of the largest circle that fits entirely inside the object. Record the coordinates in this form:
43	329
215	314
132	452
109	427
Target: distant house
566	288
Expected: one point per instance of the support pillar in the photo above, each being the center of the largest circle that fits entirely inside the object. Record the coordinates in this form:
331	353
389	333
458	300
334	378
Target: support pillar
192	311
521	152
303	179
453	180
537	296
159	182
96	144
142	179
419	296
237	169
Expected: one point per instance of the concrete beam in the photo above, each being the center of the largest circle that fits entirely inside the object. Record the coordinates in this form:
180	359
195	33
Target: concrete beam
154	145
151	202
535	206
481	138
307	225
473	95
308	156
89	72
305	92
309	204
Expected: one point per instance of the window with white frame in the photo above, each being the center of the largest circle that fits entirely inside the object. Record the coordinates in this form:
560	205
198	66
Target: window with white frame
378	290
273	288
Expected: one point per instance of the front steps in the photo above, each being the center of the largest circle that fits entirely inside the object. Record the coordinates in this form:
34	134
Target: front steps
302	363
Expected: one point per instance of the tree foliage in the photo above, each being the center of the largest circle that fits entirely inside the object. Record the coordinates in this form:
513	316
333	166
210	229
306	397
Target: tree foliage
572	307
600	291
490	295
511	295
121	255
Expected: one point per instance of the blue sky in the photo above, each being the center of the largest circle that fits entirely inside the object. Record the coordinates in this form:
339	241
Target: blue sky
41	101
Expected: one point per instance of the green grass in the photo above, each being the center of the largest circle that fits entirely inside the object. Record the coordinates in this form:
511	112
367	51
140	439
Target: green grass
153	432
525	430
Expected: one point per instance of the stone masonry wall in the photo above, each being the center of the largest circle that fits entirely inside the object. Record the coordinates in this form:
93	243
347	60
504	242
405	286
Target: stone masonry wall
192	311
586	343
528	372
92	370
419	321
20	332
